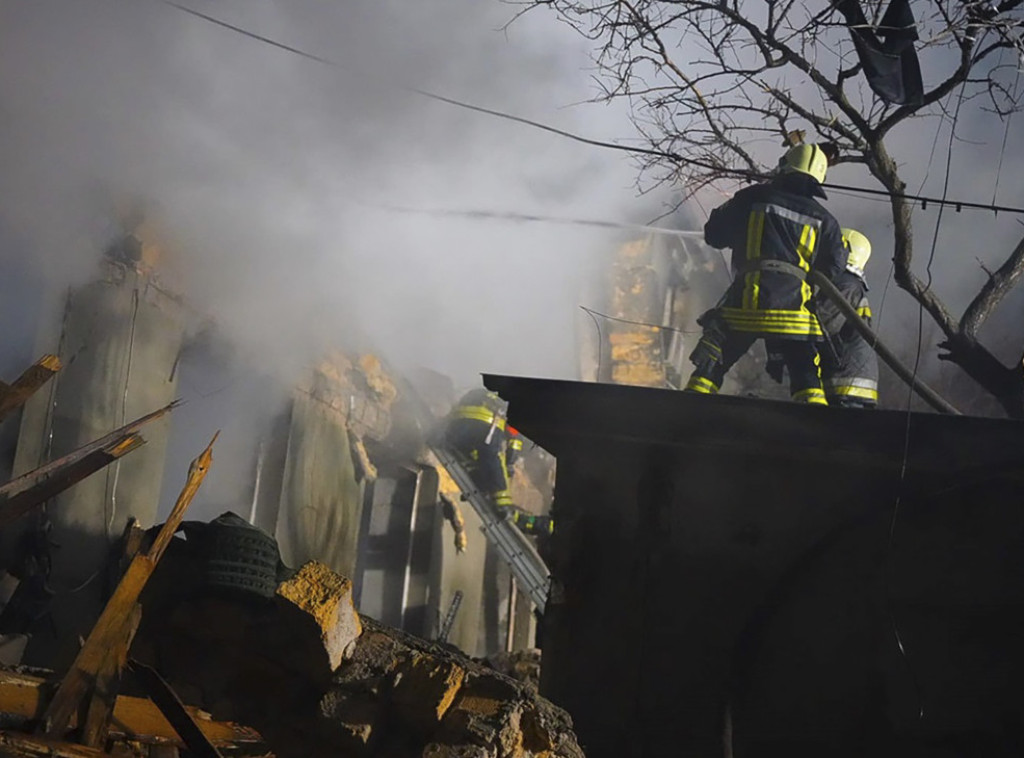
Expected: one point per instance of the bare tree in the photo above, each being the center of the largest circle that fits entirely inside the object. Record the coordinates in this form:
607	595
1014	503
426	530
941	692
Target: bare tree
767	69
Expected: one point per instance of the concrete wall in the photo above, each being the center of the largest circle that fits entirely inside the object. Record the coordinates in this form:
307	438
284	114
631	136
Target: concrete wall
119	341
463	572
321	497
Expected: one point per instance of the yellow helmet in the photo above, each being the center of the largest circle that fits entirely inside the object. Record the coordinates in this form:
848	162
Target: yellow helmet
805	159
860	250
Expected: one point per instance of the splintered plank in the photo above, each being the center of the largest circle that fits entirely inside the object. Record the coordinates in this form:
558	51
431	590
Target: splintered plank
108	681
110	626
138	718
39	485
73	472
13	396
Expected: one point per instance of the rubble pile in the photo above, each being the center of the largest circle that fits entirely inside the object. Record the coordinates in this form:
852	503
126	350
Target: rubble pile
521	665
316	679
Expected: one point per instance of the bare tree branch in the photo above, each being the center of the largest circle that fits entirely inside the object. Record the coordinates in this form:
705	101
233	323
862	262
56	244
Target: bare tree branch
713	84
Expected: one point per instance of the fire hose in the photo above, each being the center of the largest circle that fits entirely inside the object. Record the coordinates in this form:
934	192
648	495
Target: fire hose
930	396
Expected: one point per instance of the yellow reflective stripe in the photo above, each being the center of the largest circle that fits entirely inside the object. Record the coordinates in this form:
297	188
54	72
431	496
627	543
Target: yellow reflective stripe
478	413
702	385
752	281
791	317
852	391
805	251
814	395
864	312
779	330
709	345
775	321
516	444
502	498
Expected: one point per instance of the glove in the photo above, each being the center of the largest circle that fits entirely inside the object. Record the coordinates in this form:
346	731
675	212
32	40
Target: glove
708	352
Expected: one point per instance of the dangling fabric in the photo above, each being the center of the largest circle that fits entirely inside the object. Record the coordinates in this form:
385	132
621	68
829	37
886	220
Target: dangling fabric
890	63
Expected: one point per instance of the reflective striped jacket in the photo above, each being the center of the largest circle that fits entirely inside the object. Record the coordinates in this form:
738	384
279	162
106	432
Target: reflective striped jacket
849	367
484	406
775	221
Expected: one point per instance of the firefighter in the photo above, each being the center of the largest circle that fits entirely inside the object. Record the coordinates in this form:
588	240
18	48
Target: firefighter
476	432
778	232
849	365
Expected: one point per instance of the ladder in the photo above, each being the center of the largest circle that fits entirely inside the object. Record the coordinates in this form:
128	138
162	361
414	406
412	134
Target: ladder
449	618
527	566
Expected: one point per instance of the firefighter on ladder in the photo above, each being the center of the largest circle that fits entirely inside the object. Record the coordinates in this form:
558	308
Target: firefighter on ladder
476	431
778	232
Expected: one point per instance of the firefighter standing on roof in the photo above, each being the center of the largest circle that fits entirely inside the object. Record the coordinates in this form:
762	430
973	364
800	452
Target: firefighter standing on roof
778	232
477	432
849	365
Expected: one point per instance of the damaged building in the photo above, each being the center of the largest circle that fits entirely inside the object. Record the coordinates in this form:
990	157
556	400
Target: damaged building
729	576
338	470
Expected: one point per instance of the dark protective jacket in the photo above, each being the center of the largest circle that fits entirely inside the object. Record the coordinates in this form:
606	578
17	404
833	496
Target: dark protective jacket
475	431
849	366
775	221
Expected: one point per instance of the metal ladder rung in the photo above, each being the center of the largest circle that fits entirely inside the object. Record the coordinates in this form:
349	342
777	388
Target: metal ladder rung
526	565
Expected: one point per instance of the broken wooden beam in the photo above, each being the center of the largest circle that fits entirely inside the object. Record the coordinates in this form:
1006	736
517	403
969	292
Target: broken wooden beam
19	744
66	476
108	681
110	625
29	490
13	396
22	700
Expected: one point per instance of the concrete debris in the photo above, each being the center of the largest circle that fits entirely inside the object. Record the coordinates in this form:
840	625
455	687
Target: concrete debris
521	665
324	598
370	691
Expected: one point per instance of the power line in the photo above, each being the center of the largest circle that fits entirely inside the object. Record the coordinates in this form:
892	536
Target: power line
675	157
417	90
535	218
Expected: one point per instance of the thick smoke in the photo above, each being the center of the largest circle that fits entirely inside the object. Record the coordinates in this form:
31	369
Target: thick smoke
266	177
265	172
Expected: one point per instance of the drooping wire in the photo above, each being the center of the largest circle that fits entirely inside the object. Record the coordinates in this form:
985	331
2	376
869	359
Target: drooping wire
906	436
594	313
600	341
675	157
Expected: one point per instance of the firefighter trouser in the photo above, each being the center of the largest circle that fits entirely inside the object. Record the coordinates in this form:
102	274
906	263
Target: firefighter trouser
726	347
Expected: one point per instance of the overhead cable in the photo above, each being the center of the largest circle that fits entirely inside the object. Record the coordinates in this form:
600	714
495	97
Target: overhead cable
674	157
533	218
